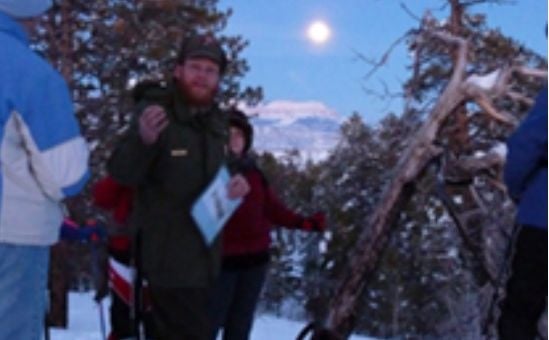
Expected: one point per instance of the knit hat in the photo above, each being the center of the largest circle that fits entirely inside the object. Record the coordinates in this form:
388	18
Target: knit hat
239	120
20	9
205	46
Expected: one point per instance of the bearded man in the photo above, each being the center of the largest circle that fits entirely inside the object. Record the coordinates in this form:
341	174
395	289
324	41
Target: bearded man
170	154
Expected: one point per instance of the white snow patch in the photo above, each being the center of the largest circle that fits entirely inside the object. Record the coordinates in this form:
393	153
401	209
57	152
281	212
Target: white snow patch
479	154
452	253
130	84
84	323
500	149
330	265
322	247
486	81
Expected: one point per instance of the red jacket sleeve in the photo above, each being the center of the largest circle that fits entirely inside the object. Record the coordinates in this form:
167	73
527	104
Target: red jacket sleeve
106	193
278	214
117	198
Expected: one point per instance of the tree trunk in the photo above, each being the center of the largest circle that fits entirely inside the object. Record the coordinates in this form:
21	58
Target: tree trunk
373	239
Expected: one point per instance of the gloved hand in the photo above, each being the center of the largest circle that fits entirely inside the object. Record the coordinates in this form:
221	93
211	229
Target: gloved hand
315	222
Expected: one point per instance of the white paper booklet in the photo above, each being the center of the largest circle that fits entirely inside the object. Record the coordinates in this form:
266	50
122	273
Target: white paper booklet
214	207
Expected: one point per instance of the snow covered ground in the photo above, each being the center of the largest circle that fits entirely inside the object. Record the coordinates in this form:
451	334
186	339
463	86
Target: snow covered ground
84	323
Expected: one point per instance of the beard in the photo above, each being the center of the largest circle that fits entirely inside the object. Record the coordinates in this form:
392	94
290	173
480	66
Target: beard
197	95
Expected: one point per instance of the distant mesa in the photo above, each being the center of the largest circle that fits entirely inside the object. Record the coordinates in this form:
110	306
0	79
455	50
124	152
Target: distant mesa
310	127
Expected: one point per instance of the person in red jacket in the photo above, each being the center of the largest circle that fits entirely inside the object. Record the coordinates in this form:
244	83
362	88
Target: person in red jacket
117	198
246	239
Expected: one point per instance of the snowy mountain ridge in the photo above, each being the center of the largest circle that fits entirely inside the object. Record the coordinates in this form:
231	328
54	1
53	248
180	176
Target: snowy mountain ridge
287	112
310	127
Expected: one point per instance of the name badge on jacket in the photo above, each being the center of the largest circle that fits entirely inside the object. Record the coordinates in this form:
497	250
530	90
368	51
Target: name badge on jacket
179	152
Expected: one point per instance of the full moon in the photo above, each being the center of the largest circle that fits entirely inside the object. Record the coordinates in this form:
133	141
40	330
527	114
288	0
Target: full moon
319	32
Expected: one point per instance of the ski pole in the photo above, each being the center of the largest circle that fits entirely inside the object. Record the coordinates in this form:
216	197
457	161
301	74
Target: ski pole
102	320
95	268
137	304
46	329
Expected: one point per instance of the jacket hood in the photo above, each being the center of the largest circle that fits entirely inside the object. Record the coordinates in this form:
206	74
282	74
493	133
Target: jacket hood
239	120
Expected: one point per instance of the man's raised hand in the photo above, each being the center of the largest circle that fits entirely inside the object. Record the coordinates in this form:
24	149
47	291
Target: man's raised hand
152	122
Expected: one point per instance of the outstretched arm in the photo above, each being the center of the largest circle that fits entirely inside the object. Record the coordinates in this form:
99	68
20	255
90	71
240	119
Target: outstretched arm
279	214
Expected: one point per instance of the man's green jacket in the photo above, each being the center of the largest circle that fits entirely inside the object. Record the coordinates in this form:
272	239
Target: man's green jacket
168	177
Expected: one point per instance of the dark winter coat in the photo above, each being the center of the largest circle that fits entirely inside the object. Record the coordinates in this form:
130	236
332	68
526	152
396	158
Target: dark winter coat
248	230
168	177
526	167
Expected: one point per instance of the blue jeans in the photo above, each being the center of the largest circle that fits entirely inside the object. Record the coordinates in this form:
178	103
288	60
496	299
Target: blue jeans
23	289
234	299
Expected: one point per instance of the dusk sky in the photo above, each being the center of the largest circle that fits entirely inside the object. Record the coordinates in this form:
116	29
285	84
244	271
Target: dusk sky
290	66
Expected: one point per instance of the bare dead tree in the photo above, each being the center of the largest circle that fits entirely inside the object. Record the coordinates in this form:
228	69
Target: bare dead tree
422	149
417	155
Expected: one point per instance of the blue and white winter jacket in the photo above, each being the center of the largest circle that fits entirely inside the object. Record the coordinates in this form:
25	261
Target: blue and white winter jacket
43	157
526	166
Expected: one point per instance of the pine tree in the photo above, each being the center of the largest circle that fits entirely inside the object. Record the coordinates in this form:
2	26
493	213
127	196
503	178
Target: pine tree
103	48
